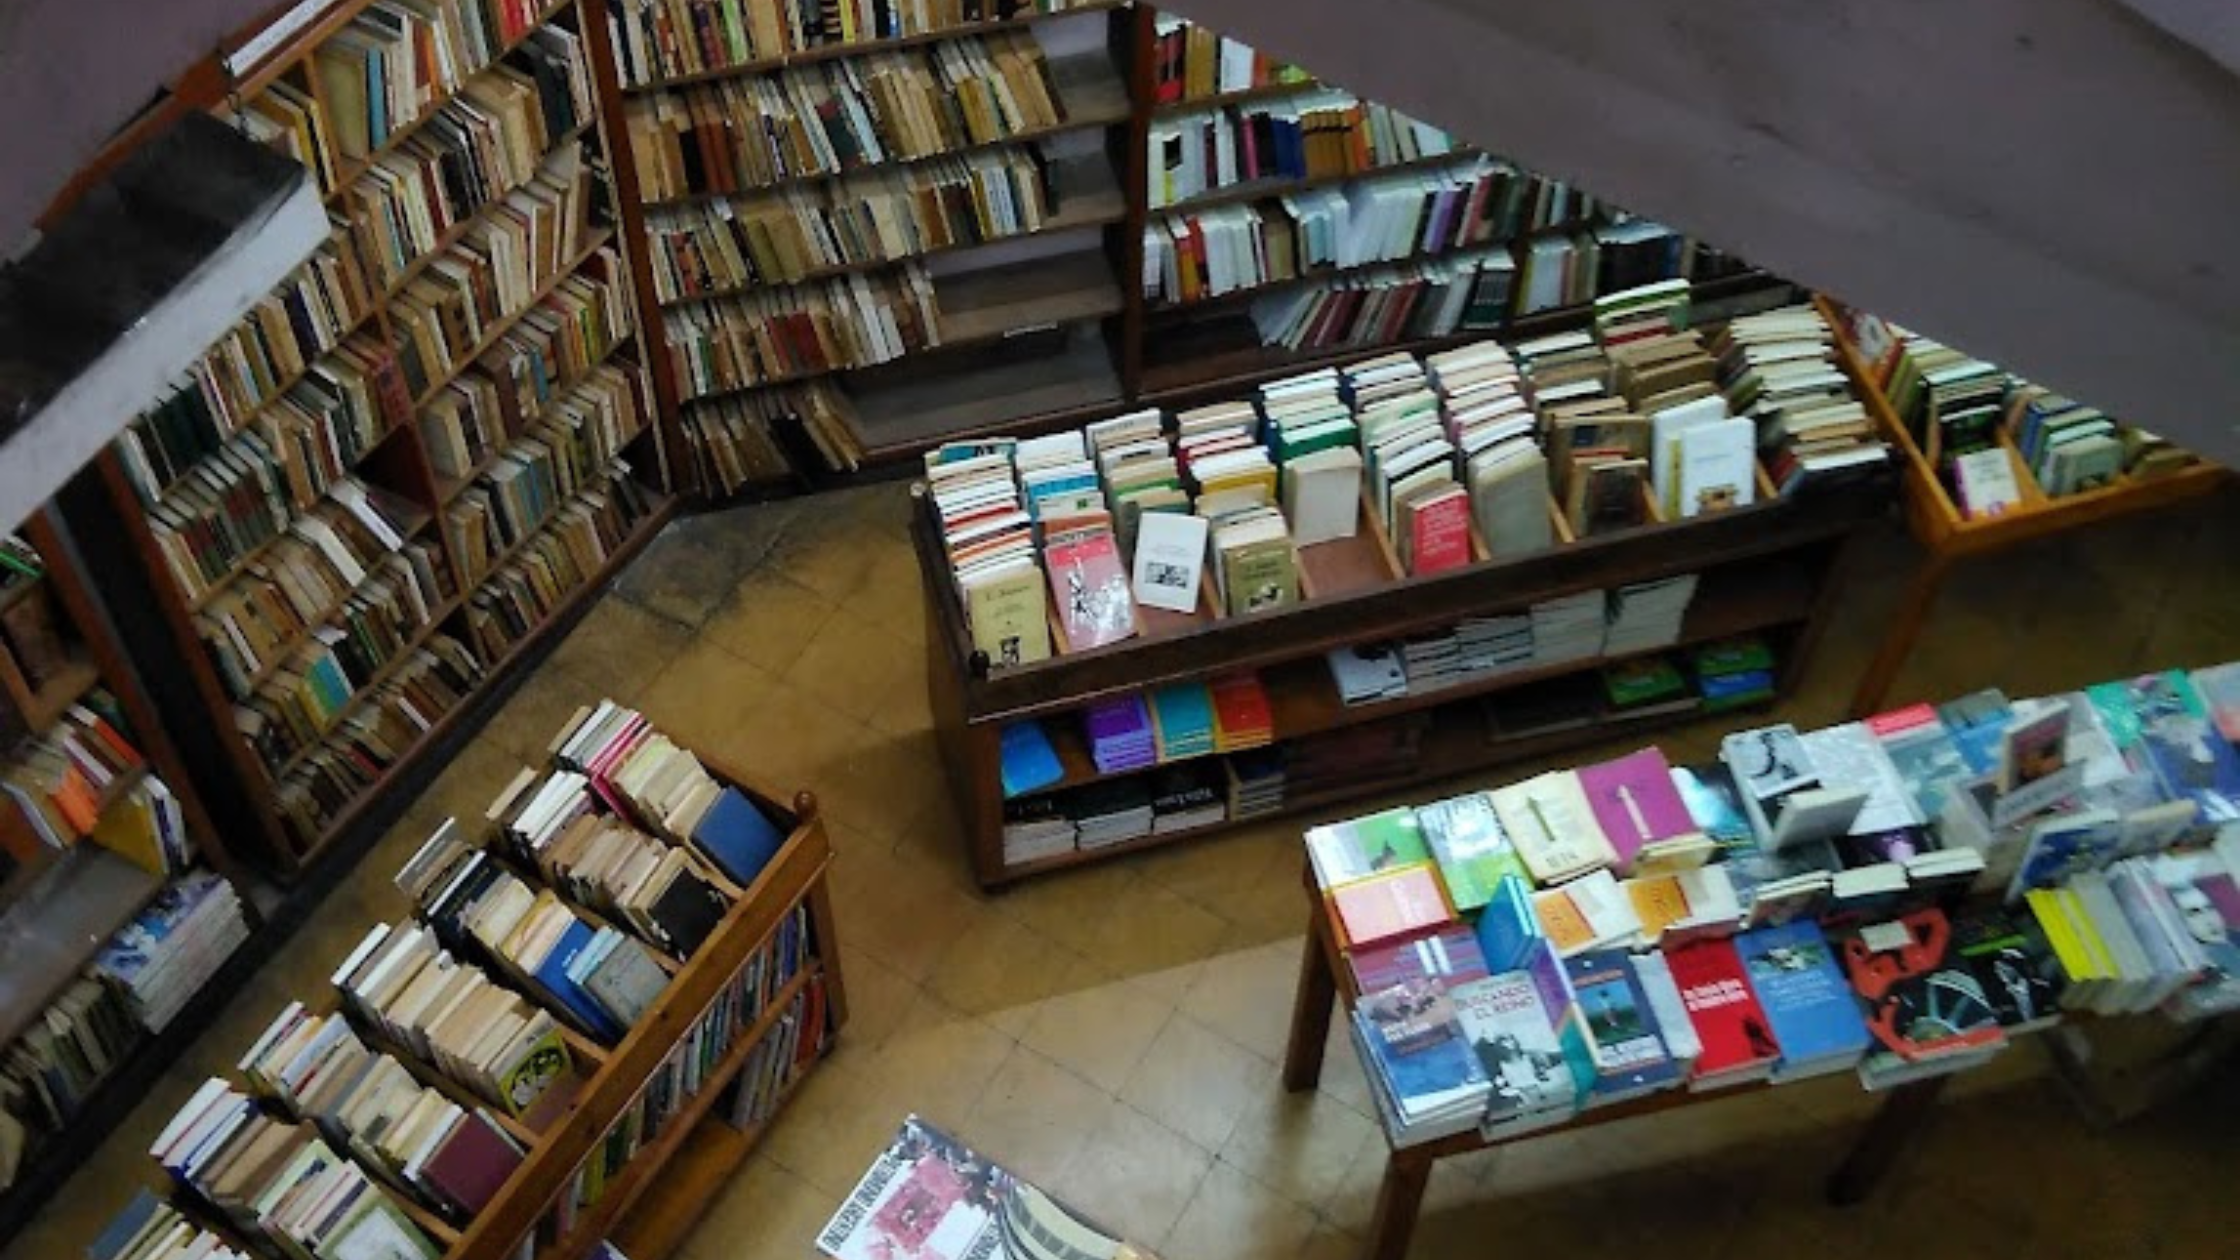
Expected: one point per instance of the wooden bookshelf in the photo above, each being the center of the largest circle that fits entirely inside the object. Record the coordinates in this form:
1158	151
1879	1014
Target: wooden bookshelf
1242	96
1262	189
1948	536
1767	569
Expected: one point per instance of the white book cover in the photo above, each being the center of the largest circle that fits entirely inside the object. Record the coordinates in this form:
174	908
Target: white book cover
1170	559
1717	467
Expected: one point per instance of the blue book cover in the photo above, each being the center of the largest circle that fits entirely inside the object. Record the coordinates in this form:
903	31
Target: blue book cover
552	973
737	837
1803	992
2067	846
139	943
1029	762
1508	929
1621	1030
1418	1044
2184	747
127	1223
1976	721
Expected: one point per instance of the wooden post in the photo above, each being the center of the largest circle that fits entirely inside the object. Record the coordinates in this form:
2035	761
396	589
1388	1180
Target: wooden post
1895	1126
1311	1005
1399	1199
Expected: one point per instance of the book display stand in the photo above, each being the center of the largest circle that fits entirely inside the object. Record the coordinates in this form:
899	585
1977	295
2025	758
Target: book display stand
1765	570
1950	537
1326	982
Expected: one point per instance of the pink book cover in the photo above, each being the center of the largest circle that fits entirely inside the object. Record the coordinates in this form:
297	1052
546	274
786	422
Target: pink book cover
1635	802
1897	721
1091	589
1439	533
1403	902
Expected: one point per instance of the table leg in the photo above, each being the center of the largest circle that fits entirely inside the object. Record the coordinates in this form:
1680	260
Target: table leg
1310	1011
1906	621
1399	1200
1895	1125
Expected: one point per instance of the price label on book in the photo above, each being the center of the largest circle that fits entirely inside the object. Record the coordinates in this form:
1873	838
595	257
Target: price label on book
1030	330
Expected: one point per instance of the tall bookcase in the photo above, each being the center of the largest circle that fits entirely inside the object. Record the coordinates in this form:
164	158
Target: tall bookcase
481	266
58	907
1037	329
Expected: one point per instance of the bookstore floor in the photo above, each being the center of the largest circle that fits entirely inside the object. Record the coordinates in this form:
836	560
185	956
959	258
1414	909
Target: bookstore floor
1113	1032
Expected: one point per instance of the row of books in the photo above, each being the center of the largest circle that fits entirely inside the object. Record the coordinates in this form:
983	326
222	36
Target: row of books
565	558
1138	730
449	311
232	503
1379	219
2116	900
666	39
280	339
708	249
60	781
832	117
150	1229
1569	268
1985	430
379	74
297	584
1162	801
490	141
1192	62
32	628
774	335
736	440
432	681
553	357
1320	133
1435	297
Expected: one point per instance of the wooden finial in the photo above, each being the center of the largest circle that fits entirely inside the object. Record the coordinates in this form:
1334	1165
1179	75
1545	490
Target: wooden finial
805	805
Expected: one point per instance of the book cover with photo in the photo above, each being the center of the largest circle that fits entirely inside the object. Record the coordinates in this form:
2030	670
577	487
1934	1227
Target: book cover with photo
930	1197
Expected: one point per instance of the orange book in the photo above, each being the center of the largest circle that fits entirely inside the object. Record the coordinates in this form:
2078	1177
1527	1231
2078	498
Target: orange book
1660	902
79	803
1566	929
1398	904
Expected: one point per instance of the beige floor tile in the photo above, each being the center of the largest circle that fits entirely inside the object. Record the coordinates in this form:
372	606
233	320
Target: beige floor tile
997	969
878	997
1133	1175
1157	930
938	1060
767	1211
681	577
839	1122
895	907
1246	997
1072	906
1096	1027
859	667
1035	1116
1197	1082
892	787
768	621
1302	1146
705	697
1233	1217
622	644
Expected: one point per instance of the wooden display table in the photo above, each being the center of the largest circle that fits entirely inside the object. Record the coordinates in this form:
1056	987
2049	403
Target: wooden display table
1325	980
1949	536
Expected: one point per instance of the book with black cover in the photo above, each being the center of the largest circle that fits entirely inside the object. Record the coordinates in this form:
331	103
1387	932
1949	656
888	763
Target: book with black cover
687	911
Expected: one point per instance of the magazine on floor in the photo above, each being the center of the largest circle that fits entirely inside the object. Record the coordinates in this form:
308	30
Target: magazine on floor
930	1197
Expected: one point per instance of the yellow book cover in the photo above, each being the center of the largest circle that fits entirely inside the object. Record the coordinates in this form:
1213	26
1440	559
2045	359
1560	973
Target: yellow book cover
1659	902
1566	928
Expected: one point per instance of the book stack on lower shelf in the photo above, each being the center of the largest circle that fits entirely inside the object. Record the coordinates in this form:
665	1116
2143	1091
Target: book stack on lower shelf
1836	901
603	998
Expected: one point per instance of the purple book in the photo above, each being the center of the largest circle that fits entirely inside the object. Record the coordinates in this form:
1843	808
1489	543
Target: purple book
1120	734
1635	802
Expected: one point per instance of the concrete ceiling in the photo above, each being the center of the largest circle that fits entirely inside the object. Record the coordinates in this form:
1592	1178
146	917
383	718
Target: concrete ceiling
2048	183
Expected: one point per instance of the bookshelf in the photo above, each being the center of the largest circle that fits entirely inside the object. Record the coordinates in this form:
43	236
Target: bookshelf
59	907
1949	537
475	362
1763	570
628	1141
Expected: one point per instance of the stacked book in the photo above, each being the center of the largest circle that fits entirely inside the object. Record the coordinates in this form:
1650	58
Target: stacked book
1182	721
1111	812
163	957
1120	734
1368	672
1645	615
767	336
1188	797
1036	827
1192	62
1255	783
739	35
62	781
1568	628
1242	718
1781	369
1733	673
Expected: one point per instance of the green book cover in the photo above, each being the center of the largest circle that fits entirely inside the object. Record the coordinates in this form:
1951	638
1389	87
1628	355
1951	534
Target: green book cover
1473	852
1260	575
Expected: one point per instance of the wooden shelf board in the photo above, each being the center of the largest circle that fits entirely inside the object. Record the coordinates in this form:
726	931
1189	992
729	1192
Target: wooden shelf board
900	420
1088	195
862	48
1091	94
998	302
695	1175
1439	760
1277	186
238	571
492	672
419	520
53	698
449	488
59	923
1325	275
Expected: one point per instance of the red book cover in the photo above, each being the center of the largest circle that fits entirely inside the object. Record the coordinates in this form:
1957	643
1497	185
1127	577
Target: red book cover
1396	905
473	1163
1240	707
1729	1022
1090	586
1439	532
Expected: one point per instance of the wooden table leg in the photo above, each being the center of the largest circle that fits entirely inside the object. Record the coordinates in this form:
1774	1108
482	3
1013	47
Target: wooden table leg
1895	1125
1906	621
1399	1200
1310	1010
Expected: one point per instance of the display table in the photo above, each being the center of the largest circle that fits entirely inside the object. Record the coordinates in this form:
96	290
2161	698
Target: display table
1325	980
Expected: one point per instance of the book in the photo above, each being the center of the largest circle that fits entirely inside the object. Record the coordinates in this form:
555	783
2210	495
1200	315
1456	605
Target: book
1922	999
1346	851
1169	560
1392	905
737	836
1553	826
1620	1029
1091	591
1504	1022
1509	930
1427	1077
2033	747
1738	1042
2013	964
1465	837
1448	956
1635	803
1806	998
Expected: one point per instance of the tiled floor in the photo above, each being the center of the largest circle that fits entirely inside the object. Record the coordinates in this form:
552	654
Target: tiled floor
1113	1032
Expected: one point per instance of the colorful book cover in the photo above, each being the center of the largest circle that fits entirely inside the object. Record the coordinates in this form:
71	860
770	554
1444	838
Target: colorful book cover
1714	804
1391	905
1419	1047
2067	846
2184	747
1736	1037
1508	927
1925	754
1505	1024
1439	533
2033	747
1923	1000
1621	1031
2014	964
1449	956
1465	838
2219	689
1635	802
1804	993
1976	721
1091	588
1358	847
